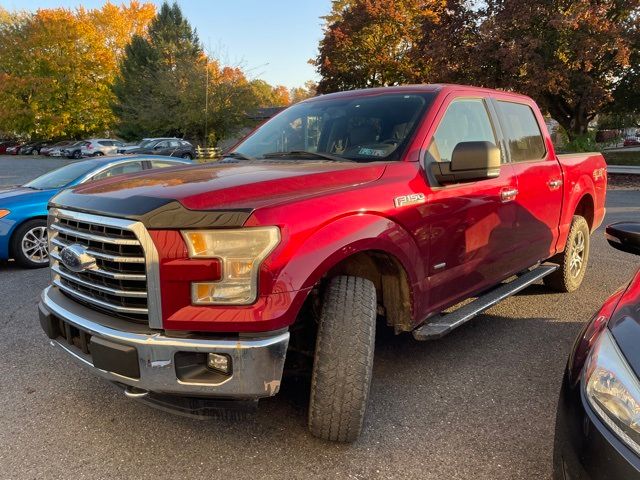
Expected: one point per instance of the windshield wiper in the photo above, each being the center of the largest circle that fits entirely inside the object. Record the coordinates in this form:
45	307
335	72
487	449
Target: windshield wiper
301	153
238	155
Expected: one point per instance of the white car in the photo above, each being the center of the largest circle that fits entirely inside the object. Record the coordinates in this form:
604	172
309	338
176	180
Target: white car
100	146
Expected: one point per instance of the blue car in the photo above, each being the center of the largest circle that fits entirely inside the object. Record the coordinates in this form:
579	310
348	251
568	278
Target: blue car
23	210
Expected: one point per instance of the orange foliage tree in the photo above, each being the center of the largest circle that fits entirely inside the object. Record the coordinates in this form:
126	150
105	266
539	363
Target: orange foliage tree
57	67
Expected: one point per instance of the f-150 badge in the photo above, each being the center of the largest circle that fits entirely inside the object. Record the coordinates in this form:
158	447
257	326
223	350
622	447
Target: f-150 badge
411	199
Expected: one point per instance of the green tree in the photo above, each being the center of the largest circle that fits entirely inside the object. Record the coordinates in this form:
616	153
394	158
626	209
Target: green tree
162	82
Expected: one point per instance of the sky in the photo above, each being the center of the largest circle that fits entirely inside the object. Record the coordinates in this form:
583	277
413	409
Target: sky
269	39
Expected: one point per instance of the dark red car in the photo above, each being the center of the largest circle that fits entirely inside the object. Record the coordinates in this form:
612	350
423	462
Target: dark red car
597	426
6	144
398	203
631	141
13	148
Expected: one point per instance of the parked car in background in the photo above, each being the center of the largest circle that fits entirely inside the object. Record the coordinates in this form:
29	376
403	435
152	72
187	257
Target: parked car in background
33	148
598	419
23	210
131	146
145	142
25	145
95	147
167	147
54	149
631	141
74	150
15	148
7	144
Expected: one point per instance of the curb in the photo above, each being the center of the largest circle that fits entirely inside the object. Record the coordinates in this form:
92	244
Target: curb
624	169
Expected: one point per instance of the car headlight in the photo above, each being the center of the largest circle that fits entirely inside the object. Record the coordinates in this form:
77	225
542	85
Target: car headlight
241	252
4	213
613	390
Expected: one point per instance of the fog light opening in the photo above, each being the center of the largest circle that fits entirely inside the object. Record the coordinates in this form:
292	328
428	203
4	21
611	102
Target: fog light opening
219	362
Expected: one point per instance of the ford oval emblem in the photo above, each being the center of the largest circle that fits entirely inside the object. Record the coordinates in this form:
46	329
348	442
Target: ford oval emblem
76	258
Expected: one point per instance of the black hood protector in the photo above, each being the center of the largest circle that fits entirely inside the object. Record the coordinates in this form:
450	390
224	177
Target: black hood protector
153	212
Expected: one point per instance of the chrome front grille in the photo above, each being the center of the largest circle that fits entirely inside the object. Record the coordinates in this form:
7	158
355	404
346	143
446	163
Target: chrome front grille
122	277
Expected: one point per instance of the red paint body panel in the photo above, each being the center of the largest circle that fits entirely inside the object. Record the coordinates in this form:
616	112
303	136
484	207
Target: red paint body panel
328	211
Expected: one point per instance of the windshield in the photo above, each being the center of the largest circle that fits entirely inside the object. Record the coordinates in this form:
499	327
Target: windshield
364	128
62	176
146	143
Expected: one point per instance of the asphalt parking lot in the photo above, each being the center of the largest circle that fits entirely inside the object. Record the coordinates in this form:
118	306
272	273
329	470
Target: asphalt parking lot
478	404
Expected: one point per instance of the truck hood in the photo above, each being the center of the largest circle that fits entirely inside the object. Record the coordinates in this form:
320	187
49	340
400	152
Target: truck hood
238	187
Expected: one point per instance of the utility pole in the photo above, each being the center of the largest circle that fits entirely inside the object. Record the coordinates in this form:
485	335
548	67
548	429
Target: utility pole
206	107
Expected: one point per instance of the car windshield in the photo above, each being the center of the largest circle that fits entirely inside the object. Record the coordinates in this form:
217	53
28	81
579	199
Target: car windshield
146	143
62	176
363	128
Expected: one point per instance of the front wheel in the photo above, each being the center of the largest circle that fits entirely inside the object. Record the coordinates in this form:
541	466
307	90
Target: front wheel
187	156
29	244
77	154
573	261
343	359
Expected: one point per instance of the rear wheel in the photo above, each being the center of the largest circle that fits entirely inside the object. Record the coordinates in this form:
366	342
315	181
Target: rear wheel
573	261
29	244
343	360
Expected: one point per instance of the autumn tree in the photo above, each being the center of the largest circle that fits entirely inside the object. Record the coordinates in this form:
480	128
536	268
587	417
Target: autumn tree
56	68
168	87
368	43
577	59
571	57
309	90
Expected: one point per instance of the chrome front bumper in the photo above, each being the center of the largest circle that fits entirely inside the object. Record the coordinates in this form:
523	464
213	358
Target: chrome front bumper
257	362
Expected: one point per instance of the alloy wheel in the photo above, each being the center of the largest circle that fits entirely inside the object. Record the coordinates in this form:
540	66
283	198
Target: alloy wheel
34	245
576	262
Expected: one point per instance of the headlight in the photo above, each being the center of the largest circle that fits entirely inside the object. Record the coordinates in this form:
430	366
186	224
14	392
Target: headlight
613	390
240	252
4	213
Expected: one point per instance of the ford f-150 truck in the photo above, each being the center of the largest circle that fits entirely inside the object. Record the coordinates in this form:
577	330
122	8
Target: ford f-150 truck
412	208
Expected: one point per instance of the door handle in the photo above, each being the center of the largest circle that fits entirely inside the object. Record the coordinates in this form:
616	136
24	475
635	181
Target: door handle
508	194
554	184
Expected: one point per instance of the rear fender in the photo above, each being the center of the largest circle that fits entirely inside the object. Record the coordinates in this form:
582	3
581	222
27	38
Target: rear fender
575	193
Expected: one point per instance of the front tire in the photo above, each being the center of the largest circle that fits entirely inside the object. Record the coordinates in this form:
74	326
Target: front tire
573	261
29	244
187	156
77	154
343	362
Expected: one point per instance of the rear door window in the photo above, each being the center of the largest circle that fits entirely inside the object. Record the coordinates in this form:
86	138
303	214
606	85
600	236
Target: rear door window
522	131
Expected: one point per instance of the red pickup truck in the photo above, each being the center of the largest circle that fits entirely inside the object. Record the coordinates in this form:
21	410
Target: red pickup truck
345	213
